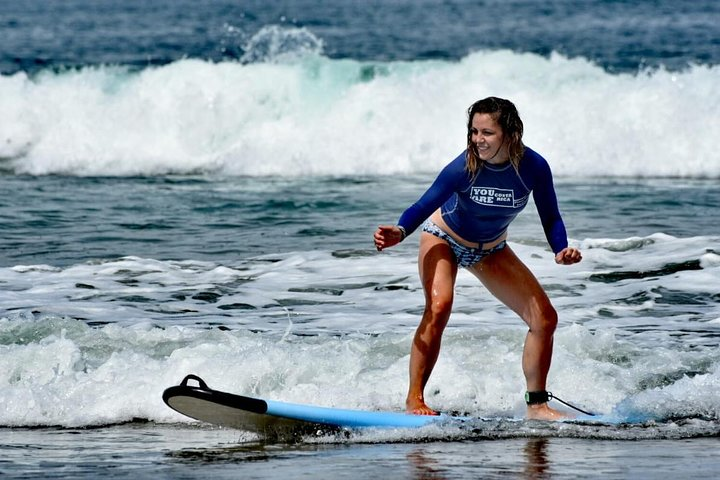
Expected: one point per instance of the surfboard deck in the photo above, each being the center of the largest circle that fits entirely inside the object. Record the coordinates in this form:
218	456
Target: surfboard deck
274	418
262	416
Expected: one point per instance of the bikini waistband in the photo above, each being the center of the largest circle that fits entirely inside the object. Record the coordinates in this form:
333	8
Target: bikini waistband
465	243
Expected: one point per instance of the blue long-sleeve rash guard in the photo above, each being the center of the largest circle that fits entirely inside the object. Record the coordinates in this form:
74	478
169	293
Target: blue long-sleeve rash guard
480	209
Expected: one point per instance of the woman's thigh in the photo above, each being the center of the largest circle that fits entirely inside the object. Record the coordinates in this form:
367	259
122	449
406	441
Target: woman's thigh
512	282
437	268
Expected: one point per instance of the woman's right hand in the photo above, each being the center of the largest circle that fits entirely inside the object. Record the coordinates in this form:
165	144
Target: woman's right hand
387	236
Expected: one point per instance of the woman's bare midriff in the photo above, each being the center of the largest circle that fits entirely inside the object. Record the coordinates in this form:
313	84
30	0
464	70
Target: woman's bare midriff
437	219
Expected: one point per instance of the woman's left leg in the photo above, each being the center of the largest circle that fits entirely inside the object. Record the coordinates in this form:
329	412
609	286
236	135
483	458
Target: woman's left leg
511	282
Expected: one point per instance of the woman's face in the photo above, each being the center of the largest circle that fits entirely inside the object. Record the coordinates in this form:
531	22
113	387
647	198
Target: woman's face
487	136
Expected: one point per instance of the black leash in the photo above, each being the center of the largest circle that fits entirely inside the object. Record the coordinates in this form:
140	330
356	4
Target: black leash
572	406
542	396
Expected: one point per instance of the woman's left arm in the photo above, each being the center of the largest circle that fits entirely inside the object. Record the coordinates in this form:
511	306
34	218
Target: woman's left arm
547	207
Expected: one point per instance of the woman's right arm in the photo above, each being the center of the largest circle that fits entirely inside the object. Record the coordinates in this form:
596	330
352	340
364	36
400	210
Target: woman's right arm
444	185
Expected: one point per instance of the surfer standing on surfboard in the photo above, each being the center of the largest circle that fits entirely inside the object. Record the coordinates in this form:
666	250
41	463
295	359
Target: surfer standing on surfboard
465	215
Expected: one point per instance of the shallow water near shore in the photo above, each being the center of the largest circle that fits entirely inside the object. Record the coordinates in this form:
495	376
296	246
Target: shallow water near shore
166	451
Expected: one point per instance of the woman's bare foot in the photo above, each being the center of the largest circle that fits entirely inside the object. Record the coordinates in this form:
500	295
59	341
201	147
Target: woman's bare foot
417	406
542	411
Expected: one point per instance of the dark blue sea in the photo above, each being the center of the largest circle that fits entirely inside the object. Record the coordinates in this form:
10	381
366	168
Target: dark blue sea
192	187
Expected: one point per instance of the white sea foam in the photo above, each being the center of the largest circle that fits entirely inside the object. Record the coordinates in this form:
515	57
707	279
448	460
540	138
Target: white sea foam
79	376
96	343
315	116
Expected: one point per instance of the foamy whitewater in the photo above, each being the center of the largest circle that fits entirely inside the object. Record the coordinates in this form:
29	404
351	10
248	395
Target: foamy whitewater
335	330
311	115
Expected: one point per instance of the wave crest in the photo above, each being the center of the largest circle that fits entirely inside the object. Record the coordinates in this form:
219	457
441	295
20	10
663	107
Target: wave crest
287	110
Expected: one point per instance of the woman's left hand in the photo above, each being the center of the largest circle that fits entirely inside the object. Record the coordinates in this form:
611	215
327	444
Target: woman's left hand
568	256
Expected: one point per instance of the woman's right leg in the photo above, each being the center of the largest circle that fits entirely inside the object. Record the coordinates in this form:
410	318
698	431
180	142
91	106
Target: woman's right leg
438	272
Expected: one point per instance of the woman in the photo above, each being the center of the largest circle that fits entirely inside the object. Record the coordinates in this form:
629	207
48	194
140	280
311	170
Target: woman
468	209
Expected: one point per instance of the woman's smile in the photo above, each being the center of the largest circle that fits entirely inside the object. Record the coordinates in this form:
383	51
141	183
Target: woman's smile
487	136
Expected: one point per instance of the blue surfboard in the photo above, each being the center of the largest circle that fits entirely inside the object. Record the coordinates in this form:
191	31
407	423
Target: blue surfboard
272	418
265	416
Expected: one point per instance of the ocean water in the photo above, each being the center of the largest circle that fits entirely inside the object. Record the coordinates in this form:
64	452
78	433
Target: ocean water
192	187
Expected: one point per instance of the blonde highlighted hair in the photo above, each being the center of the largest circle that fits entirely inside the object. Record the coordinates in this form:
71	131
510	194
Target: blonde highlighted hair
507	117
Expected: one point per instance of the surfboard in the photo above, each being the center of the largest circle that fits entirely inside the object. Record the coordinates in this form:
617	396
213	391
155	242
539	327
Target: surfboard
272	418
268	416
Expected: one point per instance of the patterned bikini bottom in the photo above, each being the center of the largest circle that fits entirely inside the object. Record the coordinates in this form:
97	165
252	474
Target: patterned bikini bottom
465	256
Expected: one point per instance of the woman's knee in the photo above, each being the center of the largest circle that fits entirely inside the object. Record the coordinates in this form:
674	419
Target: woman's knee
440	305
544	319
438	308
